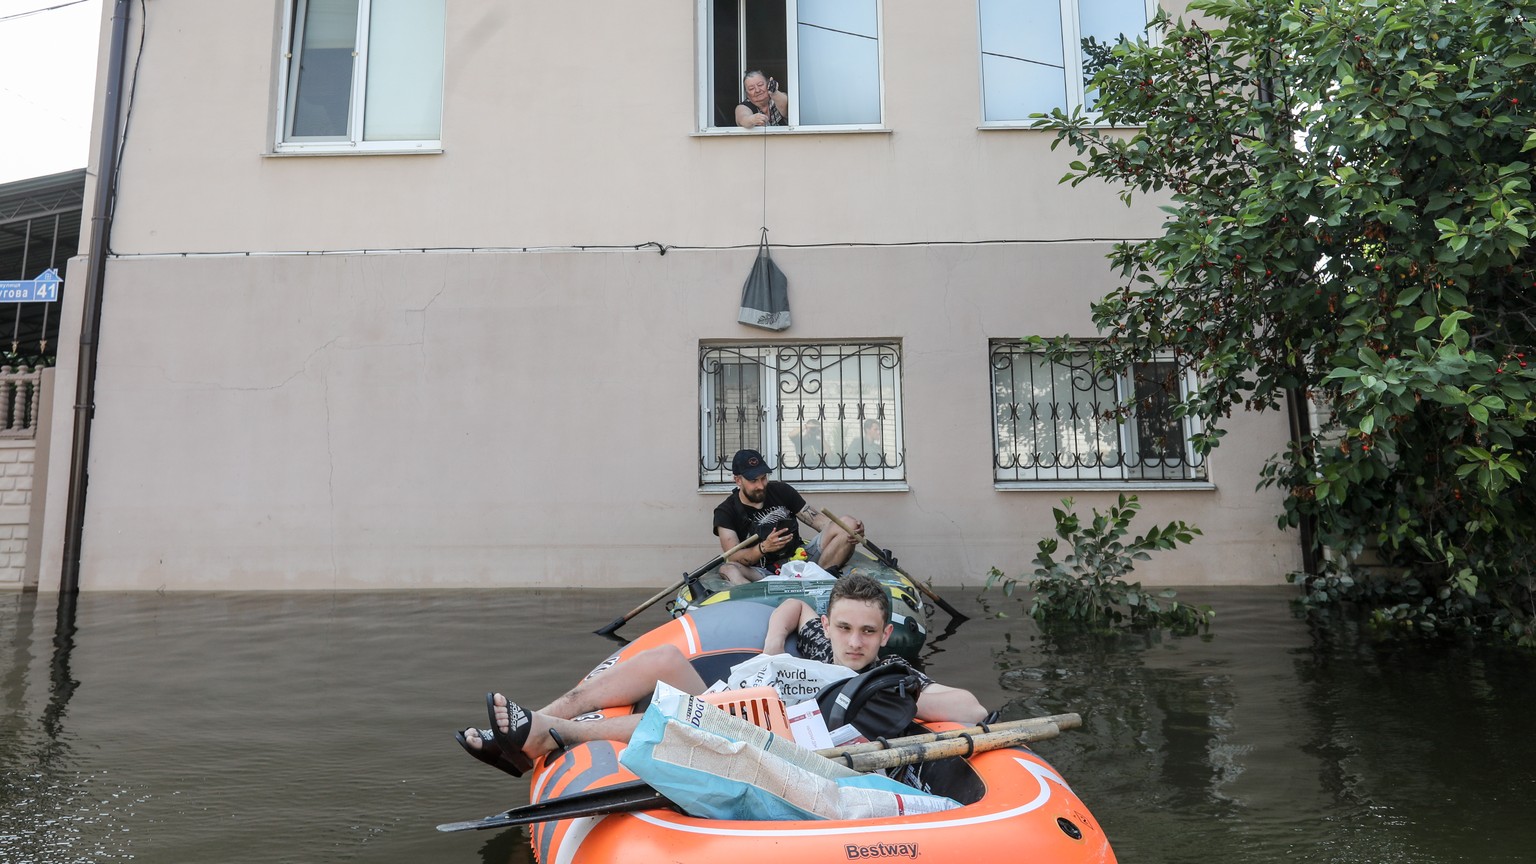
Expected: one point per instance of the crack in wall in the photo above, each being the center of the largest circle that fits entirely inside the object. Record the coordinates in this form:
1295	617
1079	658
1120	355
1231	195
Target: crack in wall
253	388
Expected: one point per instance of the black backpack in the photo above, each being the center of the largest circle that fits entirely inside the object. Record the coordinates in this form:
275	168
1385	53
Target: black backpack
879	702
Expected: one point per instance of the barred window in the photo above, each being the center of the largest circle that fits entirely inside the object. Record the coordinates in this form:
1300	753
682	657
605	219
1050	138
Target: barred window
822	414
1060	421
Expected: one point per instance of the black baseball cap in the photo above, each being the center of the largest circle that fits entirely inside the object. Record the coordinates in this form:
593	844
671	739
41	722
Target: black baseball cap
749	464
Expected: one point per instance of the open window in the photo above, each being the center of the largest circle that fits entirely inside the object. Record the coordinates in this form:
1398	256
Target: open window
1035	54
825	55
361	75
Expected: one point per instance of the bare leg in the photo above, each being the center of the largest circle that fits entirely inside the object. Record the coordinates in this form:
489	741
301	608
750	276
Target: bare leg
606	729
836	544
628	682
738	574
624	684
541	742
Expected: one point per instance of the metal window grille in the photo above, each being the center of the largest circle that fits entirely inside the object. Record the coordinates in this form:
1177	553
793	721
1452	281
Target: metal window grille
819	413
1069	421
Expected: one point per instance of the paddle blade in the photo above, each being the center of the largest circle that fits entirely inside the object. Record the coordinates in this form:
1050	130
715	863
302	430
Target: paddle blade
608	629
623	798
474	825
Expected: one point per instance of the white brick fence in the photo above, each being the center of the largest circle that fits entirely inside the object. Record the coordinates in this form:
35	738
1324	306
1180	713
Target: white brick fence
23	402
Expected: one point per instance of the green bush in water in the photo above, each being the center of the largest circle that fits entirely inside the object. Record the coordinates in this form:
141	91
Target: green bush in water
1088	584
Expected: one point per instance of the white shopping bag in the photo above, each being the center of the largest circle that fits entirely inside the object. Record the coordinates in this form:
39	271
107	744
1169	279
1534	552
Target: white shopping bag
803	570
796	678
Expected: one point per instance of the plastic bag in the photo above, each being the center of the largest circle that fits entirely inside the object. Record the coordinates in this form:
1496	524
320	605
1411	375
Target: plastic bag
796	678
800	569
716	766
765	294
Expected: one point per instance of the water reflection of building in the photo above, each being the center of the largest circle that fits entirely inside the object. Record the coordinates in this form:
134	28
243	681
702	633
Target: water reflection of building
452	299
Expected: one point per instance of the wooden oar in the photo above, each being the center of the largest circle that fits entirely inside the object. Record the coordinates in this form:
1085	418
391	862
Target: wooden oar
911	754
886	560
1060	721
714	562
638	795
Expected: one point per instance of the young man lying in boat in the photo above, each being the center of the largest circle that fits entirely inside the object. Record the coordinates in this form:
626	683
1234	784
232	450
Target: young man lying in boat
850	634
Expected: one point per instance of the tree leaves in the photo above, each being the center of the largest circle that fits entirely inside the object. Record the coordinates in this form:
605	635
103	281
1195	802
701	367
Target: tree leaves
1348	220
1088	586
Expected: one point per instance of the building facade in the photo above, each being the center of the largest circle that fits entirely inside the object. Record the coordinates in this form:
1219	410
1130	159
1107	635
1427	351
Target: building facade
446	293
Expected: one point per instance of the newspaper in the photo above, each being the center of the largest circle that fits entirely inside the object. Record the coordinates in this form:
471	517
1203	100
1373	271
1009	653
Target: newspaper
714	765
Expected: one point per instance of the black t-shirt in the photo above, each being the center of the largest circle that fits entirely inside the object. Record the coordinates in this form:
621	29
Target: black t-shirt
774	117
780	504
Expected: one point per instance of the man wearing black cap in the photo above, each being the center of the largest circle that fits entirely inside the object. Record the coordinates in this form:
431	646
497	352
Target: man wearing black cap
770	509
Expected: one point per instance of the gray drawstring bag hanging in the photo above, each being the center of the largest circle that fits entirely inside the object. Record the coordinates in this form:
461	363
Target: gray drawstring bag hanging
765	295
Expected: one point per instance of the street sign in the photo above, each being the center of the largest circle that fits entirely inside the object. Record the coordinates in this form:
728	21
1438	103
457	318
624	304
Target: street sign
43	289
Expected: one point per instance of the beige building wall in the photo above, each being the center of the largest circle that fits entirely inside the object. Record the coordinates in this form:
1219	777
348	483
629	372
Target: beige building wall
490	379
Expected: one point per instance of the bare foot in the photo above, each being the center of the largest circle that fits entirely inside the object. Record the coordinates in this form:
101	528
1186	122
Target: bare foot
509	716
472	738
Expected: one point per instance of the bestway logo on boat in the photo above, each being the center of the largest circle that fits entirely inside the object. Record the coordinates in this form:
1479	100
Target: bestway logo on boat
882	850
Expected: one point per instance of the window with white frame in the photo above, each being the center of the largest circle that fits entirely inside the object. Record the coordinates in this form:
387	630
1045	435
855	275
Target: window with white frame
1062	421
824	55
1033	56
821	414
360	75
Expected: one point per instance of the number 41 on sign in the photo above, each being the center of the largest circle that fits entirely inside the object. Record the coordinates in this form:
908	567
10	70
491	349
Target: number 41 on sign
43	289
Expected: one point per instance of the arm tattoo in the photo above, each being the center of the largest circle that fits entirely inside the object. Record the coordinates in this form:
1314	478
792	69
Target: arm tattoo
812	517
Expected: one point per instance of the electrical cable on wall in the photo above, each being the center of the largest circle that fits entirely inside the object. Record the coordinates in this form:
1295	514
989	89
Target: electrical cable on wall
16	15
661	248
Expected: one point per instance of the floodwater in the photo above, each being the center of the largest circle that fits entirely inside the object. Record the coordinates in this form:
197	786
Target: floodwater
185	728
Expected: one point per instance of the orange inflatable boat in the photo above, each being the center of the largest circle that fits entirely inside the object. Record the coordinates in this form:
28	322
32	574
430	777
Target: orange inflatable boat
1014	804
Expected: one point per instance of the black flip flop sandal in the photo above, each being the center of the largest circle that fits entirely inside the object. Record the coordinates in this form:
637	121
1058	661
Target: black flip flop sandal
488	752
511	742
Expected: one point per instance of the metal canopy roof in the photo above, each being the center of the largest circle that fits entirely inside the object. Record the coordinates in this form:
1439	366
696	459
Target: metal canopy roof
39	229
42	196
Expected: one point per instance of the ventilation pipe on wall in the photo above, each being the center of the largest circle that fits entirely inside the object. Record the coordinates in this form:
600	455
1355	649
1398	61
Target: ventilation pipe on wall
90	319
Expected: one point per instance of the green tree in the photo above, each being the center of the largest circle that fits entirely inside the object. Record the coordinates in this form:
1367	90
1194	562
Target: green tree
1349	214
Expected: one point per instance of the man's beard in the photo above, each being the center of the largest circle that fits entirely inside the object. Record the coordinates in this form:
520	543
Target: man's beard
756	496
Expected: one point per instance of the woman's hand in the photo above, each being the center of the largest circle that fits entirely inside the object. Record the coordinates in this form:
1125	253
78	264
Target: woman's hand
746	118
